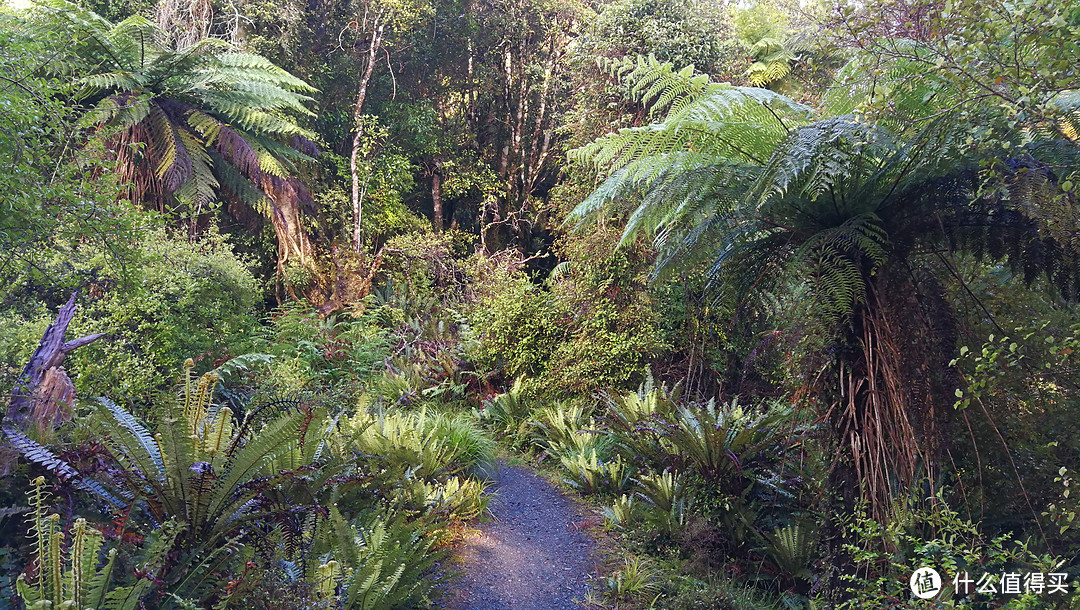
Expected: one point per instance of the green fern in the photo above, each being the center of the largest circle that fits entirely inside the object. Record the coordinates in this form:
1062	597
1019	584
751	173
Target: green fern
205	115
373	565
793	549
839	208
666	499
216	475
82	583
773	60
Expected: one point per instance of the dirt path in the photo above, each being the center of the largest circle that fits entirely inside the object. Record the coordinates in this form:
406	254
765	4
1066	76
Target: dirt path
531	557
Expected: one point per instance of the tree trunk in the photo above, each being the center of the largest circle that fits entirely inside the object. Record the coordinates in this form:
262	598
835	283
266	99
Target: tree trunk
436	201
891	413
369	67
294	245
44	392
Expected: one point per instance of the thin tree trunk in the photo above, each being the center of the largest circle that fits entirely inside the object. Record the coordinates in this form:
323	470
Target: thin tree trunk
373	50
538	154
436	201
508	94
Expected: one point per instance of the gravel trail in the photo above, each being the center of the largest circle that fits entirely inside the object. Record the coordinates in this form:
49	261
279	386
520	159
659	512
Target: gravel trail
533	556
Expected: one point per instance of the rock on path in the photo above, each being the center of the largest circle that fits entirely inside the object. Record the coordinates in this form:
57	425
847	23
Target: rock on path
531	557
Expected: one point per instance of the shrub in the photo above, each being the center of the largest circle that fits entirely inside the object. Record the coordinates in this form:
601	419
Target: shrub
175	298
592	327
335	354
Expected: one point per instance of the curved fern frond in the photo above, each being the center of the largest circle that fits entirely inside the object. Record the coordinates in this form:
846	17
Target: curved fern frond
740	124
656	84
133	440
247	461
41	456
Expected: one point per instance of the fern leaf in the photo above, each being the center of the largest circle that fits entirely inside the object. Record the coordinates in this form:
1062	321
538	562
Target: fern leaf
59	468
138	443
262	447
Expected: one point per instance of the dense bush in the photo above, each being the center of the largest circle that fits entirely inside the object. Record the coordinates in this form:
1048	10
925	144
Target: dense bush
593	326
174	298
336	354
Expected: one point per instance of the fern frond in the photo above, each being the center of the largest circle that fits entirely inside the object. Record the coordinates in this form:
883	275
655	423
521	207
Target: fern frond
772	61
264	68
742	124
137	442
241	364
239	186
657	85
174	437
41	456
248	459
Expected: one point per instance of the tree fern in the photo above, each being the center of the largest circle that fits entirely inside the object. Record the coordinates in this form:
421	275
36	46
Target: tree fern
177	102
837	208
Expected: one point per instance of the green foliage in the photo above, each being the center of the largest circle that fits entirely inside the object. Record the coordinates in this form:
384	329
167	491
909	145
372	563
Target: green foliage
793	549
636	418
215	475
764	29
508	414
934	536
371	565
723	443
1017	390
587	331
169	298
714	438
512	317
562	429
589	475
1023	51
190	296
312	353
420	444
80	582
208	119
454	500
623	512
838	207
668	505
716	590
683	34
637	577
51	201
694	33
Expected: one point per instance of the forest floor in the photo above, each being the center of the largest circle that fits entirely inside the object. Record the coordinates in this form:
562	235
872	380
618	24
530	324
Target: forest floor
535	553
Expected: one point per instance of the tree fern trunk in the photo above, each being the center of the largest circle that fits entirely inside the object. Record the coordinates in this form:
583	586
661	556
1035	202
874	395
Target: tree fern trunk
893	391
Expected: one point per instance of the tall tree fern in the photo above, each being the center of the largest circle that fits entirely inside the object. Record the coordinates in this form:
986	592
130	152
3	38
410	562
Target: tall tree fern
189	126
777	195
